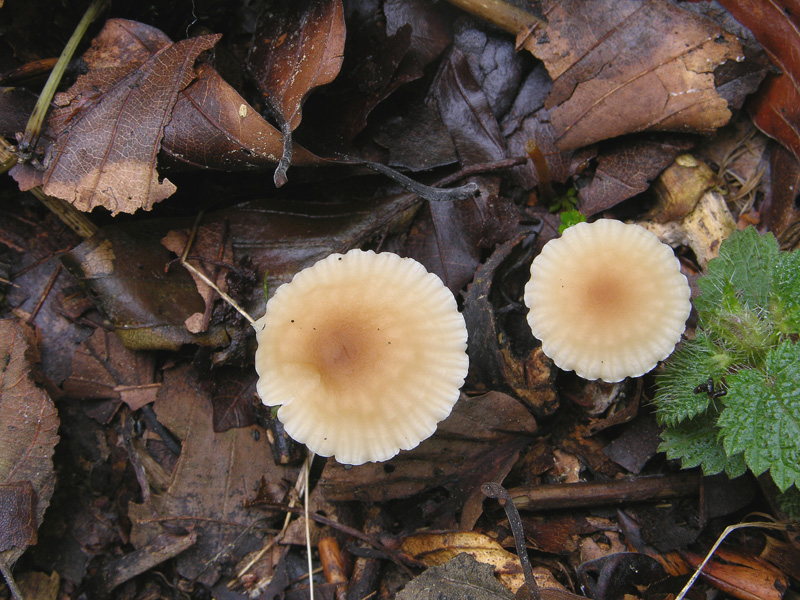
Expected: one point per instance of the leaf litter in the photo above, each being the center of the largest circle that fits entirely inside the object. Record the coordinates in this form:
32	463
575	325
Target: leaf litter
177	480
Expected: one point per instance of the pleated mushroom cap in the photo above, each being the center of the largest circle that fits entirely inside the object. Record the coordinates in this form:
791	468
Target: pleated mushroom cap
607	300
365	353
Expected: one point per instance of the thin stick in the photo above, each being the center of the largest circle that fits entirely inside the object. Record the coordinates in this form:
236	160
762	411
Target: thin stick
307	471
499	13
12	585
720	539
222	294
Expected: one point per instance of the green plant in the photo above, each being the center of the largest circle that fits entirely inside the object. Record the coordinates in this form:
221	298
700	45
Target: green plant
730	397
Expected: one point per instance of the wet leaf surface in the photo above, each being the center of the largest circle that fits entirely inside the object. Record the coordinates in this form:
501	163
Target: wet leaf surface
28	435
215	475
775	26
462	578
604	86
296	47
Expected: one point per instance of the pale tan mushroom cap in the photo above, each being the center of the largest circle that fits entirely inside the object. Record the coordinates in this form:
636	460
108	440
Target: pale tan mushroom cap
365	353
607	300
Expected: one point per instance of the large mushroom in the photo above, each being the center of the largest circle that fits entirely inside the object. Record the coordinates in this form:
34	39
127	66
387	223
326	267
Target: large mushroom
364	353
607	300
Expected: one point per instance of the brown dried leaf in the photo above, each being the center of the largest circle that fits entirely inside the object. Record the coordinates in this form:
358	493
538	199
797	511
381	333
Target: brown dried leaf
626	66
212	126
479	441
215	476
125	272
233	398
102	368
109	126
28	435
462	577
17	515
626	169
212	249
437	548
297	46
776	25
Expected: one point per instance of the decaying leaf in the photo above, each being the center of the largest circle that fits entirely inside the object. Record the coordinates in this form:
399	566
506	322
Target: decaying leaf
147	304
479	441
215	476
102	368
109	126
461	578
437	548
297	46
213	127
210	252
626	169
501	349
622	66
776	25
28	435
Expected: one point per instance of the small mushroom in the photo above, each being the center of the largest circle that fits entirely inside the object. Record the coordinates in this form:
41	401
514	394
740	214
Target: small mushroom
607	300
365	353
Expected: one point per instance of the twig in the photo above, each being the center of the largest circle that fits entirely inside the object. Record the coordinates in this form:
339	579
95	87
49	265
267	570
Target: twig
716	545
307	471
12	585
499	13
45	294
492	489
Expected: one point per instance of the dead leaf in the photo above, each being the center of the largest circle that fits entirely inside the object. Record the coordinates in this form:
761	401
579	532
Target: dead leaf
233	398
110	125
102	368
214	477
627	66
17	515
479	441
28	435
437	548
781	211
777	28
210	252
213	127
297	46
627	168
461	578
125	271
502	352
741	575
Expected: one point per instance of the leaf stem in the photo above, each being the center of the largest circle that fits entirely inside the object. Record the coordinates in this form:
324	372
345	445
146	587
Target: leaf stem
34	126
499	13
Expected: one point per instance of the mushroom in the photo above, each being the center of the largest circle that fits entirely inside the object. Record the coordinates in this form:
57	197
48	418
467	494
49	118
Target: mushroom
365	353
607	300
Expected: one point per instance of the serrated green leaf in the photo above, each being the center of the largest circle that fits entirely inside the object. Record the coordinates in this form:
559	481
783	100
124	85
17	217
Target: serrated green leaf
690	366
742	273
761	417
787	292
696	443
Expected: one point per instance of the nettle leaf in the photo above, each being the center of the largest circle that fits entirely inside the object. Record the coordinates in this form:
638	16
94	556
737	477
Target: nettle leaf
761	417
787	292
741	276
696	443
689	368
